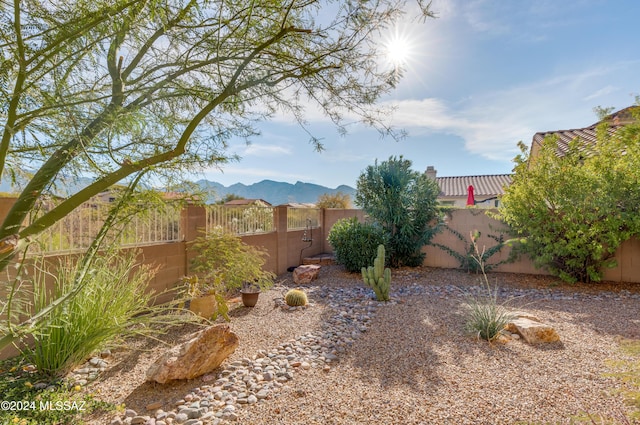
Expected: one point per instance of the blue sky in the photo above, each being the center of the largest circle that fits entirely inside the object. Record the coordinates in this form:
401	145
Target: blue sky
481	77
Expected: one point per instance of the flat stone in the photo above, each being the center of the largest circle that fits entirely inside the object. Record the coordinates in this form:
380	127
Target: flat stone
154	406
305	274
532	332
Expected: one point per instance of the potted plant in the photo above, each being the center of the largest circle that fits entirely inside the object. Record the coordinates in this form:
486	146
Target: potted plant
226	265
250	293
204	301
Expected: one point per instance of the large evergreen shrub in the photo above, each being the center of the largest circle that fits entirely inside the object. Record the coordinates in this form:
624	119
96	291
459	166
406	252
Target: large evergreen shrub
404	203
354	243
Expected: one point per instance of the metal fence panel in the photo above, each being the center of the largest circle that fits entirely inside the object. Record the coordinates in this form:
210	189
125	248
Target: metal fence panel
76	231
240	220
302	218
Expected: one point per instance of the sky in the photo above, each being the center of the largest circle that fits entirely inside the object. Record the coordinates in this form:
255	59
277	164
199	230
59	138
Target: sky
482	76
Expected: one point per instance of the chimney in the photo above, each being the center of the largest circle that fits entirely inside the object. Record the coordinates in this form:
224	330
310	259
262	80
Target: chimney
431	172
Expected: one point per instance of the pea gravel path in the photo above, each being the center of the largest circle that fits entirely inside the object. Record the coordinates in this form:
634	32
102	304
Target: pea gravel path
413	363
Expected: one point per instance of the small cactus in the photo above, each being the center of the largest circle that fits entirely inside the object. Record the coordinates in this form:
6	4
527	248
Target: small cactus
295	297
377	277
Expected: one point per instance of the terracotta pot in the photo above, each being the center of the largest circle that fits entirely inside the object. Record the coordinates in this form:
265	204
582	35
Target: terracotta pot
250	299
204	306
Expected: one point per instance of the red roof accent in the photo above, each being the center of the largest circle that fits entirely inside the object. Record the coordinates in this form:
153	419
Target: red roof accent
483	186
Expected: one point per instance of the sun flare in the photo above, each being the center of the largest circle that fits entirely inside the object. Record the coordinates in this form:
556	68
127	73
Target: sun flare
399	47
398	50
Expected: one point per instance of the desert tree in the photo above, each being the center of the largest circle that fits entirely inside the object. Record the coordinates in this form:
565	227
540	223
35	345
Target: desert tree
334	200
117	89
109	89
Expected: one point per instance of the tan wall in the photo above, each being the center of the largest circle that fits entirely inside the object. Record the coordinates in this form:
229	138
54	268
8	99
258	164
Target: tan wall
331	215
269	242
467	220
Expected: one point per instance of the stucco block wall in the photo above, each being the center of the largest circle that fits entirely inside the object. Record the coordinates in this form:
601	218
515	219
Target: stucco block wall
466	220
331	215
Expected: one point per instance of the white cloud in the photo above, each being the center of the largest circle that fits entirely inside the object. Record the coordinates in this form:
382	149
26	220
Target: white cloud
492	123
266	150
601	92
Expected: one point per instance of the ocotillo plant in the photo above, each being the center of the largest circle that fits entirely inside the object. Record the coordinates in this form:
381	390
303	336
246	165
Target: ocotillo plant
377	277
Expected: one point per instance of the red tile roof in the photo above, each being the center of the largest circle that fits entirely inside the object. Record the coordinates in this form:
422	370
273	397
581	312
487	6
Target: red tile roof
588	134
483	186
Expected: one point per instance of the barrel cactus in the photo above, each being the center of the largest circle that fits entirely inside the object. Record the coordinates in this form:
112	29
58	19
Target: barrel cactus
377	277
295	297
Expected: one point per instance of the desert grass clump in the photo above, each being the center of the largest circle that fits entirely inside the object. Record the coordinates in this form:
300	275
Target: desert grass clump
486	316
295	298
113	303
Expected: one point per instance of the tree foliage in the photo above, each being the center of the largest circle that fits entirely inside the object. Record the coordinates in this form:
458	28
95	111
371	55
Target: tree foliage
109	89
119	89
576	209
334	200
404	203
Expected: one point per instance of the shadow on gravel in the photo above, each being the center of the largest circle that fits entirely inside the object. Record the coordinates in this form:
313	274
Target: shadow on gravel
400	353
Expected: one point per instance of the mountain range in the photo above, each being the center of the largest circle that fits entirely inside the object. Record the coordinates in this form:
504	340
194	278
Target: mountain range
276	193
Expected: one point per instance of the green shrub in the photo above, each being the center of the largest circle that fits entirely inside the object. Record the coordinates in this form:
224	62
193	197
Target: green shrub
113	303
355	244
575	210
224	263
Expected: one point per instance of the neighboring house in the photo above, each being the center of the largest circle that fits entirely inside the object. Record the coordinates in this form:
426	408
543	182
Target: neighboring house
300	205
248	202
454	191
588	135
110	195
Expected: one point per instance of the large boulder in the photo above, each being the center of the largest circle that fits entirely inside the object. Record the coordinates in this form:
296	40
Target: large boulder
532	330
305	273
200	355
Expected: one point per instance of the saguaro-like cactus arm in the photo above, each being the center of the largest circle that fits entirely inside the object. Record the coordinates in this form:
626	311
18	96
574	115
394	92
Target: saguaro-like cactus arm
377	277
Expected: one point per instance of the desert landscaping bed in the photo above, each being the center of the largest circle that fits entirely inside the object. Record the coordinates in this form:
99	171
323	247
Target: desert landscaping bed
405	362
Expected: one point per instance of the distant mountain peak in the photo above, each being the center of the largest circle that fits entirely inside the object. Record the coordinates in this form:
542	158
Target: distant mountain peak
276	193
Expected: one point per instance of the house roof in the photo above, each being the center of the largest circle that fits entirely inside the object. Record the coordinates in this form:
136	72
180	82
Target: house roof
588	135
300	204
485	185
242	202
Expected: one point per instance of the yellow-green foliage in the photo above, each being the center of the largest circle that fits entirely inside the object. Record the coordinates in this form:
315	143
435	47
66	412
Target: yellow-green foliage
296	297
377	277
628	371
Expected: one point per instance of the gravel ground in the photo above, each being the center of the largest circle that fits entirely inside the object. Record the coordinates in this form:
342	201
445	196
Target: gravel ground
414	364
